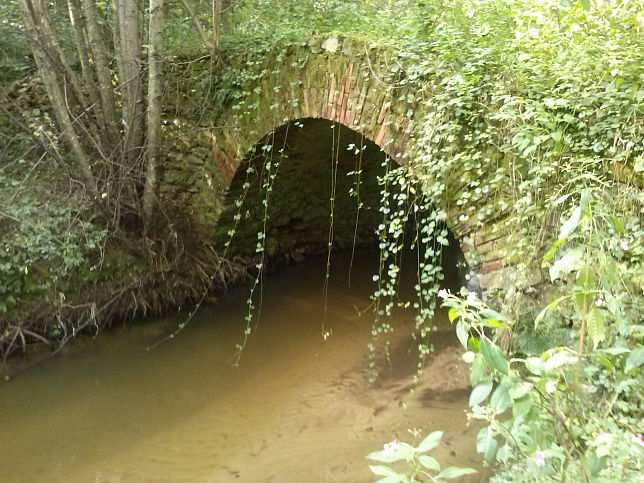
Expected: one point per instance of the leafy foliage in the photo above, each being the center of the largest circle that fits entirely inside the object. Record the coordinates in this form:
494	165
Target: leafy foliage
420	463
538	106
14	50
41	247
574	413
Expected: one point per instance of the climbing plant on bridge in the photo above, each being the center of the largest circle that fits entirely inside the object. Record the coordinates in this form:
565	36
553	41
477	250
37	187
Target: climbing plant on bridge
515	125
512	100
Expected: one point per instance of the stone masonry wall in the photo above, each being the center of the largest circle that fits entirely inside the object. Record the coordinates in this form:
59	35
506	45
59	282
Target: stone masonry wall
343	80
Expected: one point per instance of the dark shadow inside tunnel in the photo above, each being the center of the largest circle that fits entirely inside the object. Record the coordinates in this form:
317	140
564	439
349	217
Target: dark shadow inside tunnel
326	176
311	157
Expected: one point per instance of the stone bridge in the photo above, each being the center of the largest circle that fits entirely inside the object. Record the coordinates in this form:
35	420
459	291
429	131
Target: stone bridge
345	81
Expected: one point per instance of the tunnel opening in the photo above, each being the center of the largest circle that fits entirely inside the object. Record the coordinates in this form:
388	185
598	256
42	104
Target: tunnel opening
318	160
326	195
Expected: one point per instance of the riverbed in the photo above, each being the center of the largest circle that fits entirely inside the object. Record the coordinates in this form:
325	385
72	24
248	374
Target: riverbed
298	407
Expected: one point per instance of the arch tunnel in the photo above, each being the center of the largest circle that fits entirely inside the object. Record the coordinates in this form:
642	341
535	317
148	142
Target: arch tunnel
317	185
348	86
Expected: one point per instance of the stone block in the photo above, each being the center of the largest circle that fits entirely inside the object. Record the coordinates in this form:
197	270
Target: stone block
331	44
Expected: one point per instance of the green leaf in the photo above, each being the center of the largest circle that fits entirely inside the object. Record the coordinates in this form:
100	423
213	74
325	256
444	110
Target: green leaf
495	324
522	406
584	286
480	393
519	390
399	451
568	226
639	165
493	356
462	332
455	472
550	306
488	313
382	470
567	263
585	4
477	371
595	326
430	442
615	351
596	464
486	444
429	462
553	249
635	358
452	314
473	344
616	223
535	365
502	453
586	197
606	362
501	400
558	359
614	307
563	198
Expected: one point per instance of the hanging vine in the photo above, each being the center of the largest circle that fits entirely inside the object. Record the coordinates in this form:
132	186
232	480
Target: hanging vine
269	173
355	192
335	156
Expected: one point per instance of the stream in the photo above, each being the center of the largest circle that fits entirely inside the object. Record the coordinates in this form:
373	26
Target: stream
297	408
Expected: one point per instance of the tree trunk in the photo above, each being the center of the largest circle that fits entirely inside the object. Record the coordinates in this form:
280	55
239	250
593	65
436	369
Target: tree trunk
82	47
127	40
45	35
199	27
155	41
216	22
103	74
130	82
47	55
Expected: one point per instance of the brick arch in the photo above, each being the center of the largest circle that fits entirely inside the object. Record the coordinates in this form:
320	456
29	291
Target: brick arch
337	86
334	85
344	80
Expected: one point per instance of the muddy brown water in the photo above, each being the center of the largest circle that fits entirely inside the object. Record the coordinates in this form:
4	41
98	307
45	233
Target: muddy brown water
297	408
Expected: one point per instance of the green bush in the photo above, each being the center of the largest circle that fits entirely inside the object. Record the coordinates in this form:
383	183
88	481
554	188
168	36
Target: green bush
41	244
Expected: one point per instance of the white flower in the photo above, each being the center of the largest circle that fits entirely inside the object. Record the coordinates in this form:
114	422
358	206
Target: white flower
540	459
471	298
442	294
389	447
623	245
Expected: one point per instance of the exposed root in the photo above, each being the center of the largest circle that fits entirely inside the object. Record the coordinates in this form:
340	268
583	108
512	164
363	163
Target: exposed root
175	277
